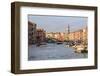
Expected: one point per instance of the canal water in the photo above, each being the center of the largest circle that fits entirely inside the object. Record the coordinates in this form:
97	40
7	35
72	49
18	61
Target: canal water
53	51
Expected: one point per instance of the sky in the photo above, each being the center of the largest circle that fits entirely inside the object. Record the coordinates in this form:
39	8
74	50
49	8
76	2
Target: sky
58	23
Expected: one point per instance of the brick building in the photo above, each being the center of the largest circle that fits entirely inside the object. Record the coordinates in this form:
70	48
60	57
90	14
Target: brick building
40	35
31	32
56	35
78	35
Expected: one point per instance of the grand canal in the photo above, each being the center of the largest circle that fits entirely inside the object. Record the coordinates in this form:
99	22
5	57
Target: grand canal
53	51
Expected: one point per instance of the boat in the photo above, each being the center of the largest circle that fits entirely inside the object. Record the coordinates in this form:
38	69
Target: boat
67	46
43	43
80	49
59	42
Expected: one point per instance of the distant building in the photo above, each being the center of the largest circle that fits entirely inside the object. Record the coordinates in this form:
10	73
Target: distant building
79	35
31	32
41	35
72	36
56	35
50	35
85	35
59	36
63	36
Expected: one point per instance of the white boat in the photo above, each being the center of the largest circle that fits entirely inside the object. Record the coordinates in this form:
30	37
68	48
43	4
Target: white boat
67	46
80	49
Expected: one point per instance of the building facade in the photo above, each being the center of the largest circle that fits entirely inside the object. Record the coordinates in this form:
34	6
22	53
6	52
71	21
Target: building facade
79	35
85	36
56	35
40	35
31	33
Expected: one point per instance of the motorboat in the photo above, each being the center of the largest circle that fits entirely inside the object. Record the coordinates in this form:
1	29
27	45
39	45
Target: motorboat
80	49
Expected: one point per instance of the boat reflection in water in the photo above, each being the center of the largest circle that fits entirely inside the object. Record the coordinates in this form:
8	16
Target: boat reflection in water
80	49
53	50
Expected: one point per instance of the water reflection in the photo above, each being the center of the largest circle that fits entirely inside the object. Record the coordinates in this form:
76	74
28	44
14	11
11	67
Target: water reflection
53	51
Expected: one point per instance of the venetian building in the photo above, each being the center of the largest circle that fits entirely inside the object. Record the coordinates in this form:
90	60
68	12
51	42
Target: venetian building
50	35
63	36
31	33
72	36
78	35
85	35
41	35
